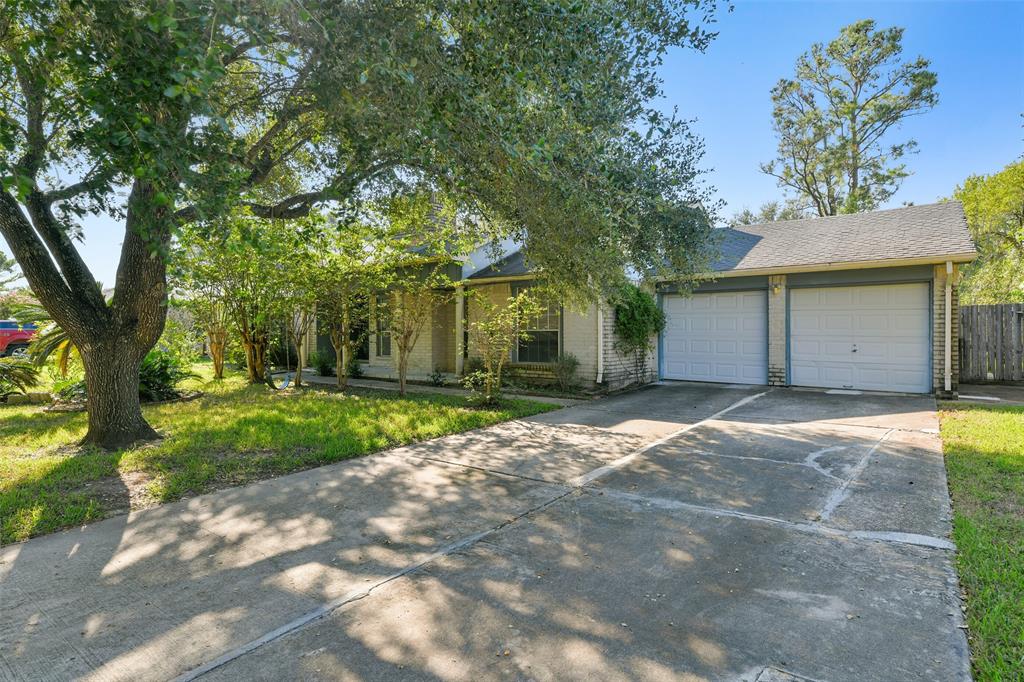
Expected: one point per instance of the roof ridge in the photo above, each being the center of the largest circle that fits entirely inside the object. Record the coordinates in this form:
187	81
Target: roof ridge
829	218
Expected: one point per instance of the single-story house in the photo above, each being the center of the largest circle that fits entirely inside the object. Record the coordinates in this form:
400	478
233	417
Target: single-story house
862	301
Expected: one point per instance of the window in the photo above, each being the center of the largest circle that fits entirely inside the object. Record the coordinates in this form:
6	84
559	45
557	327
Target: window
383	332
545	332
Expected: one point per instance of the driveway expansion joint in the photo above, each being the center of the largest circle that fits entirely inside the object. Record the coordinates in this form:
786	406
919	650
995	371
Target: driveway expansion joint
814	528
840	494
333	605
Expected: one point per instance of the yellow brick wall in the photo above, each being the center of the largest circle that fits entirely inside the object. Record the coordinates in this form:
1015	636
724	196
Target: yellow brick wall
939	330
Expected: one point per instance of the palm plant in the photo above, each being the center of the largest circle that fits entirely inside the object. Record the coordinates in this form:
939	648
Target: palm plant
16	376
50	339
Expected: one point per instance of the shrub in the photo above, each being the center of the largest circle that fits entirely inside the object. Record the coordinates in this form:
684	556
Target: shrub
473	364
352	368
637	319
565	369
181	339
16	376
322	362
437	377
474	382
159	375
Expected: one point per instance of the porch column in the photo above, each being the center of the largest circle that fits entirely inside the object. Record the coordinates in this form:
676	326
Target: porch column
460	322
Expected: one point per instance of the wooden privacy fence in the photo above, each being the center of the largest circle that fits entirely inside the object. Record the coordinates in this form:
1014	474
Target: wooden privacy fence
992	342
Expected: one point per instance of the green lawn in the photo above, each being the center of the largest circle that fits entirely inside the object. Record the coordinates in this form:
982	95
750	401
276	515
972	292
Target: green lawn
232	435
984	449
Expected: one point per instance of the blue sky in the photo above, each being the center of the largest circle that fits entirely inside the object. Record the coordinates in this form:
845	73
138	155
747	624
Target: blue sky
977	49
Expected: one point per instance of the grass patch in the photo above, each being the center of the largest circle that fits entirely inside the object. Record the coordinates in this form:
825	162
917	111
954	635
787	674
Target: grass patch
984	448
233	435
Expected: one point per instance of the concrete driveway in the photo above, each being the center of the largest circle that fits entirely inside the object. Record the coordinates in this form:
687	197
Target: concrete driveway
682	532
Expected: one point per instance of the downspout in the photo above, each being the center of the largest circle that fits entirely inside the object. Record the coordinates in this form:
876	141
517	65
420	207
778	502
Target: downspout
948	369
460	329
600	342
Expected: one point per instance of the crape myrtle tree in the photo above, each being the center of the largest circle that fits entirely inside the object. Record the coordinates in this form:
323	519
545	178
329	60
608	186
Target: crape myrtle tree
245	265
297	291
833	119
162	114
346	276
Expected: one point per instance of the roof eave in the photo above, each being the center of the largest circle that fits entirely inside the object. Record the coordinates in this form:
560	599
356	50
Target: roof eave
964	257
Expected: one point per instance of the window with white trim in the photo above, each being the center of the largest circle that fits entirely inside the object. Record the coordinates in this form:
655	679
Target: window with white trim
383	326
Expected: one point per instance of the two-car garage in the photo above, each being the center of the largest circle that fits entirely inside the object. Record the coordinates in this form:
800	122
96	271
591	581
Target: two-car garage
855	301
871	337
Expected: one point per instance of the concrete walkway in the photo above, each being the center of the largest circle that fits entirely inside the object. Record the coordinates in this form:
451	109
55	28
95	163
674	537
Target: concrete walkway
993	394
683	532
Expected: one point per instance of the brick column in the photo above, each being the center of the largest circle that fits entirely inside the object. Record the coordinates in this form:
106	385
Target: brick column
777	330
939	332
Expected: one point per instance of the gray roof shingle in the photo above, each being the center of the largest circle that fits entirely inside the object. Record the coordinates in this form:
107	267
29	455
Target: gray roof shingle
511	265
928	231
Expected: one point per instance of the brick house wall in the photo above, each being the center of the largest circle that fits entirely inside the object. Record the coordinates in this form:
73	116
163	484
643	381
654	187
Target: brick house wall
777	330
939	332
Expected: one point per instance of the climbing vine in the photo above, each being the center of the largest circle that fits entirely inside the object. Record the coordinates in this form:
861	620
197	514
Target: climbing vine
637	320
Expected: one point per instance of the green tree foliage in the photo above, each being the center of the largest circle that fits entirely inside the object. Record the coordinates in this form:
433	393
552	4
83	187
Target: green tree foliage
994	205
638	319
538	115
832	119
770	212
245	265
8	272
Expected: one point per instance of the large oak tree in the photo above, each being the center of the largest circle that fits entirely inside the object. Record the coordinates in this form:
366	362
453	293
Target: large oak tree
162	113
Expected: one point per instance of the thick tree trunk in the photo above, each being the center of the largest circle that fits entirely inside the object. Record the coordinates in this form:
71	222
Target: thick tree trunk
403	370
112	381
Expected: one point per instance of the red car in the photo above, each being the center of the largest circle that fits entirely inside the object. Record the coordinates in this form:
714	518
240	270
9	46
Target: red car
14	337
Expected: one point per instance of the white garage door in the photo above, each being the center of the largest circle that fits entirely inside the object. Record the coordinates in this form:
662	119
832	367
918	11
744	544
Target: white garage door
869	337
720	337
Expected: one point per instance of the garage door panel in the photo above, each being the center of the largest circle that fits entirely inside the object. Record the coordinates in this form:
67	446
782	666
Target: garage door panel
753	349
836	297
872	322
836	323
726	302
911	321
719	337
868	337
752	324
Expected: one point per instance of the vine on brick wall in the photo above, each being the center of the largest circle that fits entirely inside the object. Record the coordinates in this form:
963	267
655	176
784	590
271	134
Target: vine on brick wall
637	320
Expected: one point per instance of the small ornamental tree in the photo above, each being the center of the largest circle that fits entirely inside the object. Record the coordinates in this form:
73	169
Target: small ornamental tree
411	307
494	330
246	262
637	320
297	297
